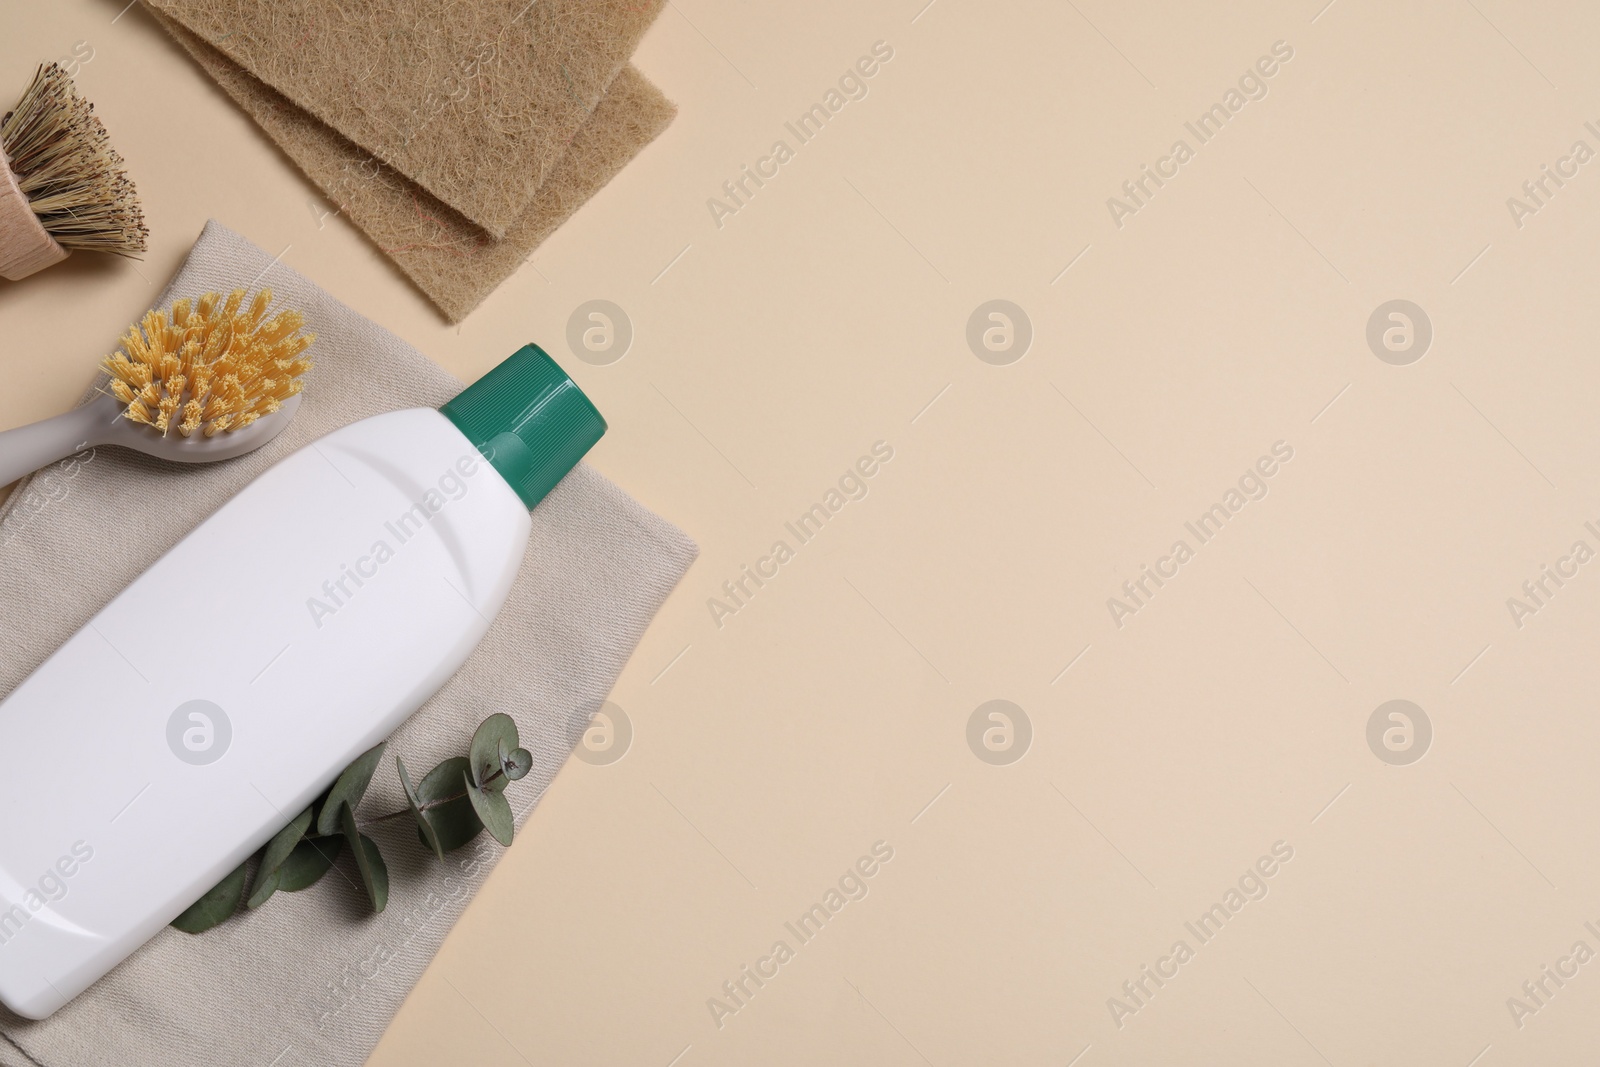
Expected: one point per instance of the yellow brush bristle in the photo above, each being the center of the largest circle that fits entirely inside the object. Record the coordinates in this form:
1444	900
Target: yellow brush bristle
211	366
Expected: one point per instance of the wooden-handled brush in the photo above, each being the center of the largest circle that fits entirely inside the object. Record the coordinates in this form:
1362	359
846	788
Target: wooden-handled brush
62	186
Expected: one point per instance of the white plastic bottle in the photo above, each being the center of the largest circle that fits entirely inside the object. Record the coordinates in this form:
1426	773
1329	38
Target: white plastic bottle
223	690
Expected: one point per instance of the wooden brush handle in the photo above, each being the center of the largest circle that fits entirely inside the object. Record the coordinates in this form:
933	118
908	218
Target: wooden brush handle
25	245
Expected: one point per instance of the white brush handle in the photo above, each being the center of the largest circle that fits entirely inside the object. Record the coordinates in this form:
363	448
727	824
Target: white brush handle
25	245
28	448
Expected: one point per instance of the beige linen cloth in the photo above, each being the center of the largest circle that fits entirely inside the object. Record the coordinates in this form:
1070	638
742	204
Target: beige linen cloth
312	977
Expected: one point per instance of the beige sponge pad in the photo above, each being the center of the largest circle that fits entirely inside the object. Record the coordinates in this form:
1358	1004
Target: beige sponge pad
476	101
454	262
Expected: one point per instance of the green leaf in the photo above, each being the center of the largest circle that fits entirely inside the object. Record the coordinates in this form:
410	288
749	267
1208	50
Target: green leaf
424	827
494	737
221	901
318	804
405	782
443	781
349	789
450	814
262	890
518	763
374	873
454	824
369	861
272	858
494	810
309	861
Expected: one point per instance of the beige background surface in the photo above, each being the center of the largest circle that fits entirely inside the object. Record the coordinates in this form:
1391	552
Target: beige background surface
1167	755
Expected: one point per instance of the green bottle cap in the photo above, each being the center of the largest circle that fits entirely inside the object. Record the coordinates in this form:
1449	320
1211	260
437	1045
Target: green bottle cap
530	421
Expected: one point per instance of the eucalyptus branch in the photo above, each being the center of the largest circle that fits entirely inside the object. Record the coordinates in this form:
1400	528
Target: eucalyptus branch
452	805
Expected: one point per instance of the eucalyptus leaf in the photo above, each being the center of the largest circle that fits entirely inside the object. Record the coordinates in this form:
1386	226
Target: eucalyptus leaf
444	781
446	807
494	810
405	783
349	789
262	890
317	805
494	736
374	873
272	858
518	762
309	861
454	824
424	827
494	777
220	901
369	861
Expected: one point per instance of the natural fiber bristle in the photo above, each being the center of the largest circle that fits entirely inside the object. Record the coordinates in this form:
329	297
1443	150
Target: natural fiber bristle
64	164
212	366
